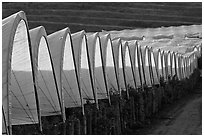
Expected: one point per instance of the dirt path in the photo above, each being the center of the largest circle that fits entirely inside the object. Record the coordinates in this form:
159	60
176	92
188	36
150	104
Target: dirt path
184	121
183	117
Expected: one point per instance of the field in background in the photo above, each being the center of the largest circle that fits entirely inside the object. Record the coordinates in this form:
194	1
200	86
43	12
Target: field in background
94	16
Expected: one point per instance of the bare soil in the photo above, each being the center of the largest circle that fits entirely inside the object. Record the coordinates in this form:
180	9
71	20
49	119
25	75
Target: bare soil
183	117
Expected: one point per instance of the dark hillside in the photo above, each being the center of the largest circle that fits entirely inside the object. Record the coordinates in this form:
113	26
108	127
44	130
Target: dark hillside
92	16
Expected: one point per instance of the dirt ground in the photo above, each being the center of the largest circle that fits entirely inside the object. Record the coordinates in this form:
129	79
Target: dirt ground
184	117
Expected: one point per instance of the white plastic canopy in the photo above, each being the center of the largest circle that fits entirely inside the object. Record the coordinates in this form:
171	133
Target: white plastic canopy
164	65
45	77
155	75
182	67
191	56
158	62
117	50
81	55
157	33
97	68
168	63
178	66
134	52
128	65
18	91
146	65
173	63
108	63
59	43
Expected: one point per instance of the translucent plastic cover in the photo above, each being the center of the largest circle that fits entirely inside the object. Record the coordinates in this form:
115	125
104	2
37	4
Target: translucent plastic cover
128	68
22	90
85	78
110	68
99	73
154	69
69	77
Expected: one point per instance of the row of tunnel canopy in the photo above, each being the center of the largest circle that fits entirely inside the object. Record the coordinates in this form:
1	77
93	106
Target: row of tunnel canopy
42	75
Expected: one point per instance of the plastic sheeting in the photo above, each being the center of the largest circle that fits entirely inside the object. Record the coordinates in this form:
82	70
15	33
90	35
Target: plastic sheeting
146	65
179	39
69	77
178	66
154	70
191	61
83	64
108	63
173	63
46	81
158	62
117	49
182	67
141	62
157	33
95	55
128	66
22	90
188	67
57	42
133	46
164	65
198	48
169	63
18	94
